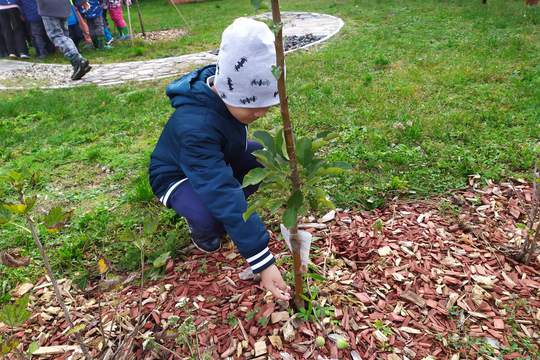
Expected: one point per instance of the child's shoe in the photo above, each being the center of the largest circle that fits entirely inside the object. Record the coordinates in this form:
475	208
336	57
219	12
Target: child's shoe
207	245
24	56
80	67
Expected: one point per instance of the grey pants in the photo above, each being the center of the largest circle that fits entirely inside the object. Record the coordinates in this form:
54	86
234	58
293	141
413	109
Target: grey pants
58	32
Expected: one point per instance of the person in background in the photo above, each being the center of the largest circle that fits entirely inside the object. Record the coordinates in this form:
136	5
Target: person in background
75	31
93	13
40	40
106	29
3	49
54	14
12	29
117	16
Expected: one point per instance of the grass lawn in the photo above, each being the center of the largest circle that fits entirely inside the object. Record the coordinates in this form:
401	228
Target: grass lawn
423	93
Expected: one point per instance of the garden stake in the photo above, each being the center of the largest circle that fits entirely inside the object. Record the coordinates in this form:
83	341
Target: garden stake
293	163
130	26
140	18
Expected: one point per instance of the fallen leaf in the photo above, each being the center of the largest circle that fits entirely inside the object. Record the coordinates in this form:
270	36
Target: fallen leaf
13	260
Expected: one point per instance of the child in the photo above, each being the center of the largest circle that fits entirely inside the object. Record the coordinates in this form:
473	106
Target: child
54	14
94	18
115	11
12	29
40	40
199	162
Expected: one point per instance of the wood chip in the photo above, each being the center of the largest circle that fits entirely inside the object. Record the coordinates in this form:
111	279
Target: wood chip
385	251
276	342
260	348
409	330
22	289
280	316
413	298
56	350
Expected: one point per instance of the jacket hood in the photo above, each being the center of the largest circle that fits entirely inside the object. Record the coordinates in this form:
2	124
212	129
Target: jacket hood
191	89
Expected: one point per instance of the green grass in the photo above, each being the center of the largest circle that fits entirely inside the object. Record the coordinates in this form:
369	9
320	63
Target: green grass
423	93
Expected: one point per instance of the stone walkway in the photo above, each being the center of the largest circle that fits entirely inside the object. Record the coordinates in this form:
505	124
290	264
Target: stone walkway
50	76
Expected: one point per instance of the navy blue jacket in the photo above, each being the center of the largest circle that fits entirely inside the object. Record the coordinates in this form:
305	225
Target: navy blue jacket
197	143
30	10
9	2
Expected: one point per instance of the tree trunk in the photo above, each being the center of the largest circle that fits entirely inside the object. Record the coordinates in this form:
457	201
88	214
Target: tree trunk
293	163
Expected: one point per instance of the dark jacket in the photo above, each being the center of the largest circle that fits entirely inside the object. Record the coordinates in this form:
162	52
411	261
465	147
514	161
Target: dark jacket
198	142
9	2
30	10
54	8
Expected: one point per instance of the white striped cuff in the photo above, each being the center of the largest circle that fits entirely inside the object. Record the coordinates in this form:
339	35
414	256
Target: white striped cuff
165	198
261	260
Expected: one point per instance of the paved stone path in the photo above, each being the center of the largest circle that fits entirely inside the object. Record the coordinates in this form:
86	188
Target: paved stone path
24	75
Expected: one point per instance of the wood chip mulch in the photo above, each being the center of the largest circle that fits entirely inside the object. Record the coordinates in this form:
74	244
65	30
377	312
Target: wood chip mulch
431	281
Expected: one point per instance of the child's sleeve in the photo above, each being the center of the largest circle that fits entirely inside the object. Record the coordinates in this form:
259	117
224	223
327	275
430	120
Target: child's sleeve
202	161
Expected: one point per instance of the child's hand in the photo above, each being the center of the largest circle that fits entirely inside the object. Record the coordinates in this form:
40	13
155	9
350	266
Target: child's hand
271	280
85	5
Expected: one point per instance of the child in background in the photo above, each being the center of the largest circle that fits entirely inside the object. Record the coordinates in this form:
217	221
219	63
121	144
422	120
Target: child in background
117	16
108	35
203	153
40	40
75	31
94	18
12	29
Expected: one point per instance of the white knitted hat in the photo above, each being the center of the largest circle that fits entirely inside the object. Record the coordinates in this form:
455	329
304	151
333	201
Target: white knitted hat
244	70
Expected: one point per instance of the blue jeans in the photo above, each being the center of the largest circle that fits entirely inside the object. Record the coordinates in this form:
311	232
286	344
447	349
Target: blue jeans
186	202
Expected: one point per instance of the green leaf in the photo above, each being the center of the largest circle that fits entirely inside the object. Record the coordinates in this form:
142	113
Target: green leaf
16	314
296	200
53	217
294	204
32	348
333	171
8	345
250	210
277	71
30	202
280	144
161	260
322	199
17	209
289	217
304	151
5	215
255	176
266	139
76	329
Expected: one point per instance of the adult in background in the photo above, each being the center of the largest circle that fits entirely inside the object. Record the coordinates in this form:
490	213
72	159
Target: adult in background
54	14
39	36
3	49
12	29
